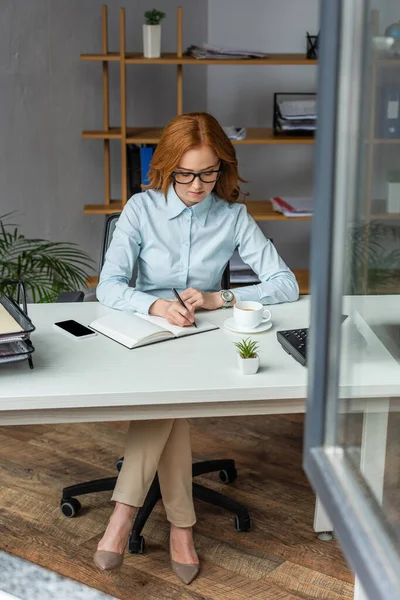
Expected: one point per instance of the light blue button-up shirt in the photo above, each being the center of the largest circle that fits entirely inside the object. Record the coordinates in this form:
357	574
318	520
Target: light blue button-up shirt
173	245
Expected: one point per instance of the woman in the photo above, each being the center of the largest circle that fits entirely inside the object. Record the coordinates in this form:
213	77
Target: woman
180	233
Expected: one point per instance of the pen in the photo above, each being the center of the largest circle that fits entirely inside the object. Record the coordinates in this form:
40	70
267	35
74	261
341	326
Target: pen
181	302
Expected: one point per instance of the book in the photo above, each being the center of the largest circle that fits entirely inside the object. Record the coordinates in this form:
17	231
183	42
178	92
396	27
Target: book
293	206
134	330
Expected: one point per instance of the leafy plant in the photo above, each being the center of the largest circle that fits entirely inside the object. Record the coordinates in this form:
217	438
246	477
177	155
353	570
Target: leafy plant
373	264
153	17
247	348
46	268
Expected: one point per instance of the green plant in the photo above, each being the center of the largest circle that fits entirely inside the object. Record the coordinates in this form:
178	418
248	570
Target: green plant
373	258
46	268
247	348
153	17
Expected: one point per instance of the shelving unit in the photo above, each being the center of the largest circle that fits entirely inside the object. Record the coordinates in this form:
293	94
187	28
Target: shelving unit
374	208
260	210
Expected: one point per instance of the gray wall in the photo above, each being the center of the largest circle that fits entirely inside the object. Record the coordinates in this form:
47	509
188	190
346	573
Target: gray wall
242	95
48	96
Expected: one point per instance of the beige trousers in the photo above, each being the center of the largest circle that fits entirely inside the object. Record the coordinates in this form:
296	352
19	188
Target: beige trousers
161	446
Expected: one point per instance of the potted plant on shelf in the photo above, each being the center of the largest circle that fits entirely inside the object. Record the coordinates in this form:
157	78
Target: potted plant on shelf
46	268
152	33
247	357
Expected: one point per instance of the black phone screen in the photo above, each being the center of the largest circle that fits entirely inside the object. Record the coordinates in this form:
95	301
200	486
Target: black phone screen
74	328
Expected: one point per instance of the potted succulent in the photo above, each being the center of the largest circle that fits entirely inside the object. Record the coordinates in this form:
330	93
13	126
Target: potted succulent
152	33
247	357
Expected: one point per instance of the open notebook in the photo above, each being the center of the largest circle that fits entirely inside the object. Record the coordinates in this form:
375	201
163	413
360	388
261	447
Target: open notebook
135	329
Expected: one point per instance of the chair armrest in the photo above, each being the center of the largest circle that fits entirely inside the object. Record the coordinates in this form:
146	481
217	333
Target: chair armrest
71	297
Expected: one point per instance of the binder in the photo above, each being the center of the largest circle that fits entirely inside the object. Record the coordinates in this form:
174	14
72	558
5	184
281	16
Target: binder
146	154
134	169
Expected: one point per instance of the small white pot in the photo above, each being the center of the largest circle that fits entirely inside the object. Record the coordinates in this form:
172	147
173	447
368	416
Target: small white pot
152	41
248	366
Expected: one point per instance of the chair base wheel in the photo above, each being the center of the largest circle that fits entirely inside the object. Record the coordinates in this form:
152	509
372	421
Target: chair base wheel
119	463
242	523
70	507
228	475
136	545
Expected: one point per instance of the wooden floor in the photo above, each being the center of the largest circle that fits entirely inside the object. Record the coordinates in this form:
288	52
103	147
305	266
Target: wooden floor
280	559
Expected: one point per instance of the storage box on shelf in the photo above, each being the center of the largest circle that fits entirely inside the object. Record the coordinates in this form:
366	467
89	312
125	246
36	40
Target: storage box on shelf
260	210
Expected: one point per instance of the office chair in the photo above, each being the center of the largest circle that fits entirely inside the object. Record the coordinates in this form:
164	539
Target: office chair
70	506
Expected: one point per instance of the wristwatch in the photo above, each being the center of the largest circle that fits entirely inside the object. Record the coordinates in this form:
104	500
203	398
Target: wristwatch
227	296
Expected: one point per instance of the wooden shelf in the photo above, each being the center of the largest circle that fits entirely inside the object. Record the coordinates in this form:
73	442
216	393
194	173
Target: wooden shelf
115	206
169	58
113	133
151	135
386	140
260	210
302	276
303	279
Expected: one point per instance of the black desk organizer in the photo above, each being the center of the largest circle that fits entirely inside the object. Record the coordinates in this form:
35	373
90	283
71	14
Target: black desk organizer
16	346
276	129
312	46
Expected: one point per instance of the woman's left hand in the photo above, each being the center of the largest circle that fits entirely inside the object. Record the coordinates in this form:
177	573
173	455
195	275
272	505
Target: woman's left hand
197	299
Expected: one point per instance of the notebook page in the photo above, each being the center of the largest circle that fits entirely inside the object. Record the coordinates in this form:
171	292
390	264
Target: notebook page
126	328
202	325
7	323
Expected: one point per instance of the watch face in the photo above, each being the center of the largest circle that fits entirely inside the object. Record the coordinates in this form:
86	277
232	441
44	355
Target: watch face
227	295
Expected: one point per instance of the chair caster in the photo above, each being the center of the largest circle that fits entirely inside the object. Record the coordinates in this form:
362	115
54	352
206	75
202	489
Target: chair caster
70	507
119	463
228	475
242	523
325	536
136	544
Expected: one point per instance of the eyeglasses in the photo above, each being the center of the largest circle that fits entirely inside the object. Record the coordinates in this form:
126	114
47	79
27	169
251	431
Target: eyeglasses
204	176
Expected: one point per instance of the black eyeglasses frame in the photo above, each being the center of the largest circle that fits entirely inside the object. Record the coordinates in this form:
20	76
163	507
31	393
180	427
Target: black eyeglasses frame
175	173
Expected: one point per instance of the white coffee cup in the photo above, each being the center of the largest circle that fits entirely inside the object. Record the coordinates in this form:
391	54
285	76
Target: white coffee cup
250	314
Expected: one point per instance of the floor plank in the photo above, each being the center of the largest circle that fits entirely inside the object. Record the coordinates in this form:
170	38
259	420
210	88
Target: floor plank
280	559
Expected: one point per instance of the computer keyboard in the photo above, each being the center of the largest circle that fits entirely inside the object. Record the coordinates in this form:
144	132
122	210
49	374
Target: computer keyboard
294	342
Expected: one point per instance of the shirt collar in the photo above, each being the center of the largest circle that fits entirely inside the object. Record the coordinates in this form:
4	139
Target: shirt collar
175	206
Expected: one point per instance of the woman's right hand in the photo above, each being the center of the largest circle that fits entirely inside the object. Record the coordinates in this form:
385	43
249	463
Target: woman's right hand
173	312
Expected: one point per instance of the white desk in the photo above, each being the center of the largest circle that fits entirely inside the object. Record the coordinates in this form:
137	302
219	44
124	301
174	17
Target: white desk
99	380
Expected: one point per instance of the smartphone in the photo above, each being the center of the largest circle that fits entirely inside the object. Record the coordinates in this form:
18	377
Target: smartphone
75	330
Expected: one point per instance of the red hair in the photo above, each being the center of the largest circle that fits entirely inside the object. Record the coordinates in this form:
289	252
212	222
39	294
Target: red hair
184	133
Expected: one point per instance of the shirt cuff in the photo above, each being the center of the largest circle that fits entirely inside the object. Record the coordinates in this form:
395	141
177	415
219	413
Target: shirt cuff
141	301
243	294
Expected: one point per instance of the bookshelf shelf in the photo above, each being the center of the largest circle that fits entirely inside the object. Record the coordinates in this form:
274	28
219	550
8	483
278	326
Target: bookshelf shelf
386	140
302	276
169	58
260	210
151	135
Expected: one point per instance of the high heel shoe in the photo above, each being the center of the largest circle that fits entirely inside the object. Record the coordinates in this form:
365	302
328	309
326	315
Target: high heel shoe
185	572
106	561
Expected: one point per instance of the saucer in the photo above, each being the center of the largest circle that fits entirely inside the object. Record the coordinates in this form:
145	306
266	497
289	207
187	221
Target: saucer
233	326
